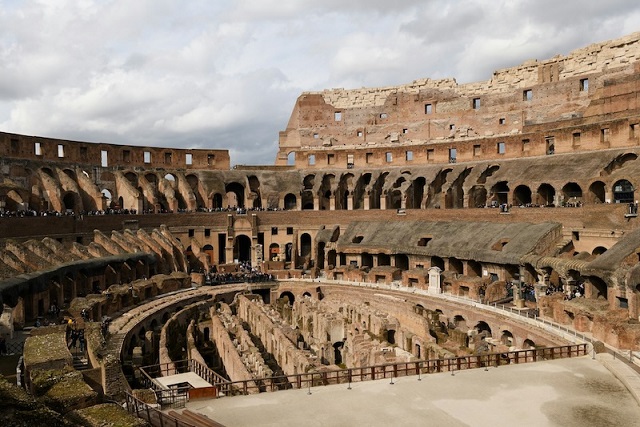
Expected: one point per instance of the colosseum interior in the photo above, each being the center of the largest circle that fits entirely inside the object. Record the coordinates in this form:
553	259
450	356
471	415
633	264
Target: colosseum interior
402	230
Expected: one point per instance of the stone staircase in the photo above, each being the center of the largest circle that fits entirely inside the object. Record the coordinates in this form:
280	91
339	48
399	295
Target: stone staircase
80	362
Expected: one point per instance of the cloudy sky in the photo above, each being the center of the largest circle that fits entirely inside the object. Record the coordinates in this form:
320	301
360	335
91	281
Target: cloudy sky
226	74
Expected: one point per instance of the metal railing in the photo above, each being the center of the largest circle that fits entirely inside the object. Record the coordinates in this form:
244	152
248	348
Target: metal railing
151	414
394	370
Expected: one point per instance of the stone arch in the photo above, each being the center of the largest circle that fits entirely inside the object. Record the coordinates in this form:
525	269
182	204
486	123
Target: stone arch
522	195
546	194
274	251
528	344
454	198
360	190
459	322
375	191
307	192
478	196
132	178
500	192
194	184
70	202
415	193
455	265
345	189
572	193
623	192
290	202
507	338
288	297
597	192
598	250
436	261
235	193
326	191
402	261
483	326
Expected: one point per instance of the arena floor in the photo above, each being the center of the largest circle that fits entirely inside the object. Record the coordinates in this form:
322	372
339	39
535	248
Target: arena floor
568	392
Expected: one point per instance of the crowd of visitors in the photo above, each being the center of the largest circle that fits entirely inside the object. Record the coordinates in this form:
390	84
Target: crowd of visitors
245	273
577	292
117	211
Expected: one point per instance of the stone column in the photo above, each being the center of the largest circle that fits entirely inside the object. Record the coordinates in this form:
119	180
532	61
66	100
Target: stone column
383	202
332	202
367	202
350	202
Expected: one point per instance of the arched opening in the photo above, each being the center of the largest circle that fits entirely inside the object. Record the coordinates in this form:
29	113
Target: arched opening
287	297
598	250
305	247
194	184
290	202
474	268
307	193
307	200
391	336
291	158
287	252
599	288
320	260
366	259
254	191
459	322
572	193
337	352
274	252
500	192
415	193
507	338
216	201
326	191
208	249
597	192
132	178
436	261
235	195
528	344
483	326
522	196
402	261
455	266
331	258
69	202
478	196
242	248
384	259
623	192
546	195
394	199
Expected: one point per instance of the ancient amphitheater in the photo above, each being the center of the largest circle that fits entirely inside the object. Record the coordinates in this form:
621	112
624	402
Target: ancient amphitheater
417	230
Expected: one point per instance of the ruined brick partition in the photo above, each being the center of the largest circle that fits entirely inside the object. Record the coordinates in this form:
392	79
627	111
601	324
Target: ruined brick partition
583	101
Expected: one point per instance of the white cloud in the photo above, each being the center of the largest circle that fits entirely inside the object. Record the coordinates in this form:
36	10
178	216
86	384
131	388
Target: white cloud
226	74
